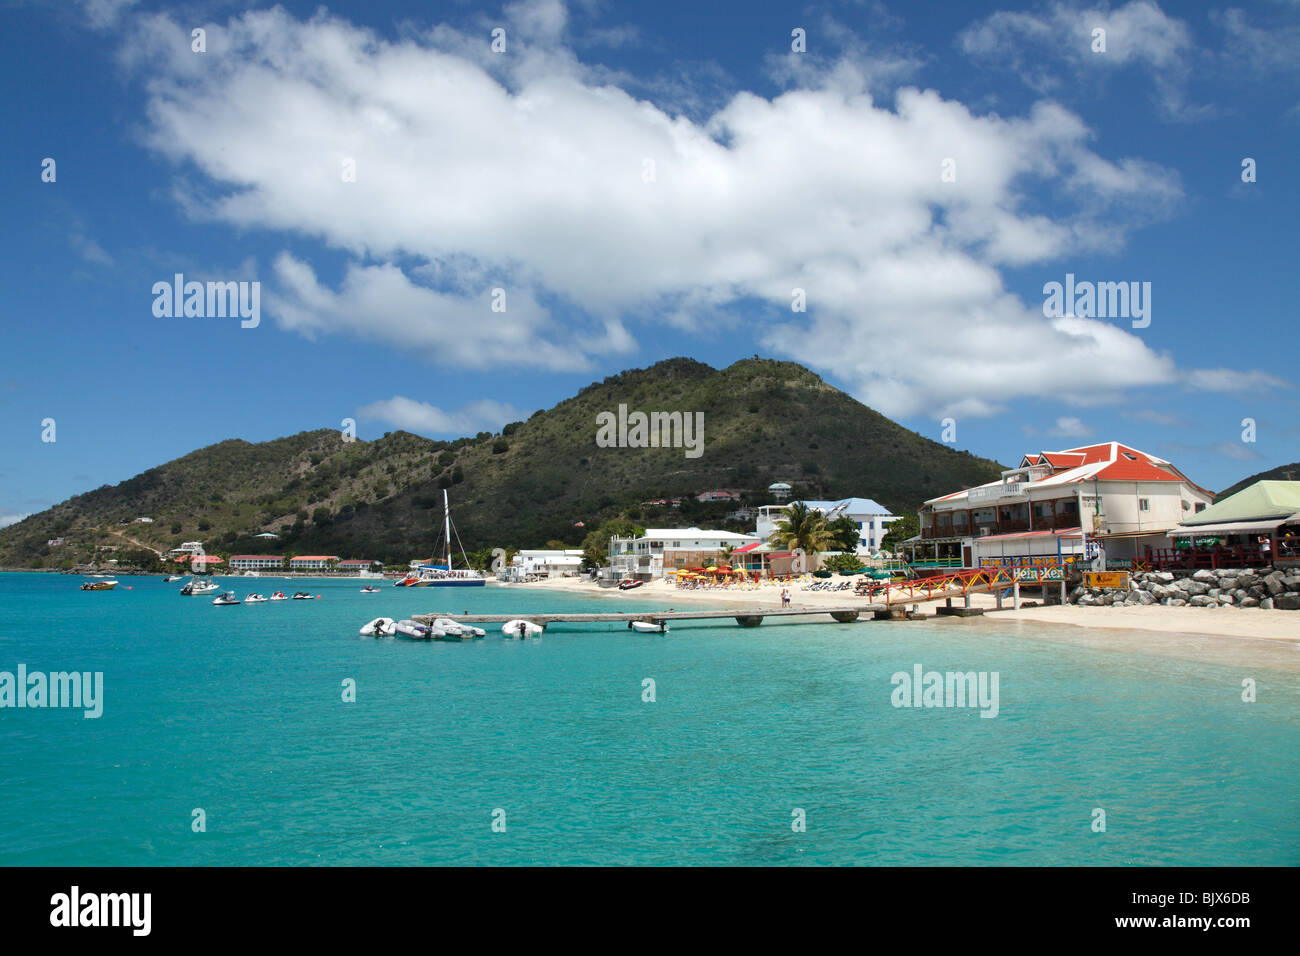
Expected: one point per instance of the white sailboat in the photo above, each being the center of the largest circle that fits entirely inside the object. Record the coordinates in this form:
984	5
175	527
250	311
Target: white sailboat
444	576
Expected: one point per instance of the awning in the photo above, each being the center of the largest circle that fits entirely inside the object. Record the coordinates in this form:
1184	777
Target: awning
1227	527
1131	534
1063	533
748	548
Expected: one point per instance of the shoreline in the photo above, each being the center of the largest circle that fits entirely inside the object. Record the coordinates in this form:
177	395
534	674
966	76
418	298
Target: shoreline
1235	624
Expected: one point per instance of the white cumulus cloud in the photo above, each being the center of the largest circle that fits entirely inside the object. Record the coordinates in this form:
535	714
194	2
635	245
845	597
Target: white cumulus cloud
606	218
423	418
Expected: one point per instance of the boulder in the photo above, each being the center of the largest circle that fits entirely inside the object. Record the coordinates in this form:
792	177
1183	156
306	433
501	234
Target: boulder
1201	600
1224	599
1193	587
1214	593
1247	578
1206	577
1176	602
1240	594
1250	601
1228	583
1146	597
1258	590
1276	583
1288	602
1161	577
1266	604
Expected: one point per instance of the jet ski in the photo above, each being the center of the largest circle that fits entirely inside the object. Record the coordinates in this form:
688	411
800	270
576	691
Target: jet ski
227	598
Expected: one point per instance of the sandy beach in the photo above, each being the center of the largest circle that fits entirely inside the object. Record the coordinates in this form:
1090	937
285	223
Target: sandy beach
1227	622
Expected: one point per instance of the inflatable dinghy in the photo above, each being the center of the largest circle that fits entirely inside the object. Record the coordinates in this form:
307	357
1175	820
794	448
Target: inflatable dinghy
520	628
380	627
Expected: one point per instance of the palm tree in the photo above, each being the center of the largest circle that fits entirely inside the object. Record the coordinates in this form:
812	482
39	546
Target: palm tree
802	529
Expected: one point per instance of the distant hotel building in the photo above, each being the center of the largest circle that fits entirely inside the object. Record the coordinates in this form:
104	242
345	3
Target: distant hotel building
1095	503
313	562
255	562
356	564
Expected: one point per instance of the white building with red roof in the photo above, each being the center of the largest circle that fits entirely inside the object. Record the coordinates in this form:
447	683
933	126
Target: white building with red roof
1099	503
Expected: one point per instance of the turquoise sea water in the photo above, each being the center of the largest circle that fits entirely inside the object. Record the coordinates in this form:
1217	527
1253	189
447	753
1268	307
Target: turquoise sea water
239	711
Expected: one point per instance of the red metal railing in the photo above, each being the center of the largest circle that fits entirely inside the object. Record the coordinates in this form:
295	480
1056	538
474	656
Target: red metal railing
961	583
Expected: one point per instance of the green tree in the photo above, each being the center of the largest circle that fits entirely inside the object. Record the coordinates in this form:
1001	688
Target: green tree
846	533
802	528
896	532
595	546
842	562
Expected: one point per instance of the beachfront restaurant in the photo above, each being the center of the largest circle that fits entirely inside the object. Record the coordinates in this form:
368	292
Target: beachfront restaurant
1102	505
1257	527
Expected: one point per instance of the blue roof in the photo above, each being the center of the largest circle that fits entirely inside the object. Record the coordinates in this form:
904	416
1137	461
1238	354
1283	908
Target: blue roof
853	506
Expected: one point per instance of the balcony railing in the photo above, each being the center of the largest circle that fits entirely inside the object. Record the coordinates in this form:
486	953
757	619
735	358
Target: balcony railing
1010	489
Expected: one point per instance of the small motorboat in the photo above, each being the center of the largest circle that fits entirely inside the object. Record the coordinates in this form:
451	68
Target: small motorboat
255	599
648	627
170	578
630	584
370	589
196	588
98	585
521	629
302	596
225	599
380	627
279	596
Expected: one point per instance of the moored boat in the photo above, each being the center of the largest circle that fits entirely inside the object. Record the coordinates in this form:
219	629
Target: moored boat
226	599
444	575
302	596
196	588
379	627
370	589
98	585
255	599
279	596
521	629
648	627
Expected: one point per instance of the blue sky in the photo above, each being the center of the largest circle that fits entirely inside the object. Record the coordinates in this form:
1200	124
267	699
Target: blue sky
644	182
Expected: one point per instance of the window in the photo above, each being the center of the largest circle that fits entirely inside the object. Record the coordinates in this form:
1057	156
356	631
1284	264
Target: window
1128	456
1144	504
1186	505
1200	506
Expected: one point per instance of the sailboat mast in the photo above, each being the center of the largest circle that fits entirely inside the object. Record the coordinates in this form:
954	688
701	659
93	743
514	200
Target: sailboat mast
446	511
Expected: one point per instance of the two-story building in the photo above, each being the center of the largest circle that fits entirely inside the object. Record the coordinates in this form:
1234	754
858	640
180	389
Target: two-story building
667	549
871	518
1095	503
256	562
542	565
313	562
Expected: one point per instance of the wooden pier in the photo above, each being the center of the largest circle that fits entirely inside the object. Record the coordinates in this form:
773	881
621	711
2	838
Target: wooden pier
745	617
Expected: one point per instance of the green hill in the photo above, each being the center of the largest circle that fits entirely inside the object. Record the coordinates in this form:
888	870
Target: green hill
764	421
1289	472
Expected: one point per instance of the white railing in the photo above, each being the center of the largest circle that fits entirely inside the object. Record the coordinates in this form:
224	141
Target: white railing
1012	489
